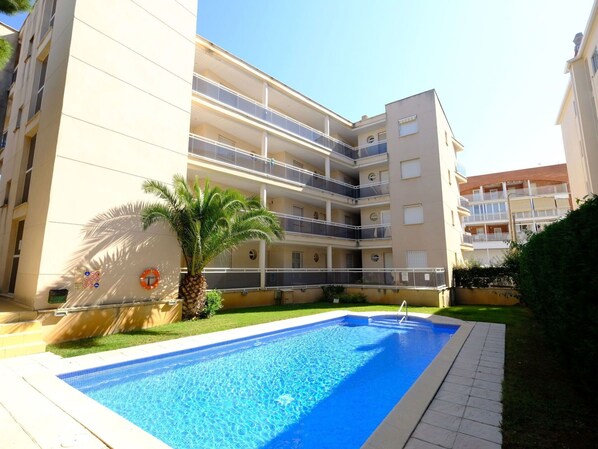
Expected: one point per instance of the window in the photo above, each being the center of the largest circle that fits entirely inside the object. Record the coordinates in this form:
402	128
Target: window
381	136
417	259
297	259
19	116
446	138
40	89
595	61
408	126
28	170
411	169
30	48
413	214
450	179
452	218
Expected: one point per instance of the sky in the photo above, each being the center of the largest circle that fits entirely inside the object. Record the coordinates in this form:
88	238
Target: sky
497	65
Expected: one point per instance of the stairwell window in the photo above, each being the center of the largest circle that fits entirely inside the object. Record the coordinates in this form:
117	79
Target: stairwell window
413	214
28	170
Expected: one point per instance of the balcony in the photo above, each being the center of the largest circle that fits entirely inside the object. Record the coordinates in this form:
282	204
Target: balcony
246	105
460	173
492	237
277	278
463	207
467	241
488	217
293	223
251	162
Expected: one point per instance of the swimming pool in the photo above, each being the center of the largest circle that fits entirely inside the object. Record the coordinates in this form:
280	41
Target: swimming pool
325	385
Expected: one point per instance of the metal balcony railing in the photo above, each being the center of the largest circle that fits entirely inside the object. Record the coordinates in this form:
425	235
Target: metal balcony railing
467	238
460	169
277	278
293	223
202	147
464	202
249	106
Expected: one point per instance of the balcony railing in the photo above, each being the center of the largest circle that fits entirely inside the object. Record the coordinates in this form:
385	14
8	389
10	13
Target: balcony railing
467	238
231	98
546	213
293	223
200	146
460	169
491	237
276	278
464	202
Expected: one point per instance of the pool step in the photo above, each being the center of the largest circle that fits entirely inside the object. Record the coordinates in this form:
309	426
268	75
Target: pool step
393	323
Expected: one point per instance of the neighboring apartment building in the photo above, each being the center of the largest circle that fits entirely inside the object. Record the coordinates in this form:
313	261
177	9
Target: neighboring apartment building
524	200
578	115
102	100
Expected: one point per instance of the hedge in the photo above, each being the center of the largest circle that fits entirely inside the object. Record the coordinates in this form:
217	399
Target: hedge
558	280
480	277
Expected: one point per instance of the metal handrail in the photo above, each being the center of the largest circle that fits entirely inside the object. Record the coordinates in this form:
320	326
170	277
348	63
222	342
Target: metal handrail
404	303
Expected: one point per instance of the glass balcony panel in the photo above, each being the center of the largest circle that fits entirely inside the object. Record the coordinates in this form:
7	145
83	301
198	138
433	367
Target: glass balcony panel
232	279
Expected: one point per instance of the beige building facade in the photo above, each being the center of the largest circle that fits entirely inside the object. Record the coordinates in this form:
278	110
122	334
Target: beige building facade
99	101
578	115
509	206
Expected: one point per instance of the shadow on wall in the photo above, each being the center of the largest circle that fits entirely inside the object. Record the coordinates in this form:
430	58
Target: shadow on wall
105	270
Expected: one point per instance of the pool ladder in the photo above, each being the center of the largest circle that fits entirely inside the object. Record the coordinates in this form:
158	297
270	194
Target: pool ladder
404	303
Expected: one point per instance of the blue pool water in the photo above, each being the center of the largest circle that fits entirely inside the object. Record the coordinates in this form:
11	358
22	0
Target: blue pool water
327	385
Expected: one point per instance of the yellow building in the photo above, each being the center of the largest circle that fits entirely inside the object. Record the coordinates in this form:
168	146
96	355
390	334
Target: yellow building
578	115
101	101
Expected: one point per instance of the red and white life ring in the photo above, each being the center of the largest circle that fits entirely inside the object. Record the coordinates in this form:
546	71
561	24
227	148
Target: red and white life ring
149	279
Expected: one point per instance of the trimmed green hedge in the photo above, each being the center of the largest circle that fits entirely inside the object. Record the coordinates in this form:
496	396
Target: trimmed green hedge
558	280
480	277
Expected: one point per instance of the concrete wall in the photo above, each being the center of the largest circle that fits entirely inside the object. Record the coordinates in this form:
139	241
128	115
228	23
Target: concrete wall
486	296
90	162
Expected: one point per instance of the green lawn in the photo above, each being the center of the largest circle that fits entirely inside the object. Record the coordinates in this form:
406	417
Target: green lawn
542	409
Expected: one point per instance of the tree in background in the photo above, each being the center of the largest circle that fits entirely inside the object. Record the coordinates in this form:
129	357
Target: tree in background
10	7
206	222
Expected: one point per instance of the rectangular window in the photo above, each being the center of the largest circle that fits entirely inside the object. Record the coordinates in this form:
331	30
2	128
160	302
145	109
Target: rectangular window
477	195
40	88
19	117
381	136
408	126
413	214
595	60
417	259
30	47
450	178
297	259
28	170
411	169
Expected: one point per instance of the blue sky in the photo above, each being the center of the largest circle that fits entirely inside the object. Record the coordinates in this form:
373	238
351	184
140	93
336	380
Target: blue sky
497	65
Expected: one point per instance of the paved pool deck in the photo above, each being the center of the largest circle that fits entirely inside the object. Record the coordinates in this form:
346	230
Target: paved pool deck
455	404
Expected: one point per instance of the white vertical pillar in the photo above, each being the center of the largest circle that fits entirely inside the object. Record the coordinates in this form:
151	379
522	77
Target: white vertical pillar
529	187
264	195
504	189
265	93
262	264
327	125
264	148
329	257
327	167
328	211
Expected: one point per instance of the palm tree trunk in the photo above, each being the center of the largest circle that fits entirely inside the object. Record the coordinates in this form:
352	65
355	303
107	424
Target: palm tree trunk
193	291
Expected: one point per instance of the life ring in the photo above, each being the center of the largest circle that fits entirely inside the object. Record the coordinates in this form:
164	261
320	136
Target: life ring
149	279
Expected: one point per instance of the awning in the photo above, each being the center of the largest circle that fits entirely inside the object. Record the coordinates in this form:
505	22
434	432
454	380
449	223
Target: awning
520	206
544	203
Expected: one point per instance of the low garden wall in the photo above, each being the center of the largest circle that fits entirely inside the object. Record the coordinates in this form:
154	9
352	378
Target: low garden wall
485	296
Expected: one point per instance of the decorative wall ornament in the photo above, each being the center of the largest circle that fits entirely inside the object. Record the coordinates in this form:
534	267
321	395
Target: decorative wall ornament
370	139
372	176
374	216
375	257
252	254
91	279
316	257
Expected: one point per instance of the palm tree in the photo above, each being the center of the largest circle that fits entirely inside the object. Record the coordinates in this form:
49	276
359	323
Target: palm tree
206	223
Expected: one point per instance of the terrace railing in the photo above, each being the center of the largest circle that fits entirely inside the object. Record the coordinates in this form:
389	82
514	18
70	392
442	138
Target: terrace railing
249	106
202	147
277	278
293	223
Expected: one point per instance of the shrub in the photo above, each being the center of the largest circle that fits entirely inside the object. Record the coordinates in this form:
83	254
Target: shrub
352	298
213	304
558	281
332	291
479	277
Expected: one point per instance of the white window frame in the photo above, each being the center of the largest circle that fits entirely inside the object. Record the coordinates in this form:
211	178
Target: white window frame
408	126
411	168
413	214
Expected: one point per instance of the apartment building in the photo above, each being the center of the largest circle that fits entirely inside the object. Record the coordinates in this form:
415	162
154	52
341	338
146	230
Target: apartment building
508	206
101	101
578	115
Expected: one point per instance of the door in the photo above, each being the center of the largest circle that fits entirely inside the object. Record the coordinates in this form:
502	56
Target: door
388	265
384	231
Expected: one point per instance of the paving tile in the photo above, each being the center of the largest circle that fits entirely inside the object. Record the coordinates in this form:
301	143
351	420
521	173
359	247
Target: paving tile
443	420
494	386
434	435
449	408
498	365
464	441
457	398
459	380
471	365
485	404
480	430
489	377
414	443
463	372
483	416
486	394
488	370
456	388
